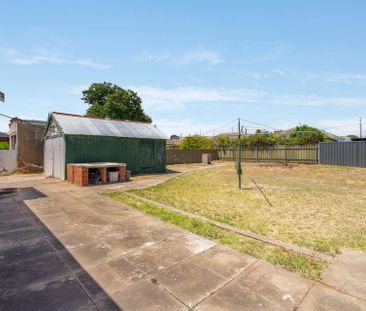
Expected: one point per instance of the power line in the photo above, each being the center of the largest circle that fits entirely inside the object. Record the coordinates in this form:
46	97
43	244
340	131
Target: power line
6	116
218	128
261	124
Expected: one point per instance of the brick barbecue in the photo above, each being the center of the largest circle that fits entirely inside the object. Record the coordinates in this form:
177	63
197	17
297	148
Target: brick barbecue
79	173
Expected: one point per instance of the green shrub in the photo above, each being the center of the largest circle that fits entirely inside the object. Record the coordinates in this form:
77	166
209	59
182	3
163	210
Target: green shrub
4	145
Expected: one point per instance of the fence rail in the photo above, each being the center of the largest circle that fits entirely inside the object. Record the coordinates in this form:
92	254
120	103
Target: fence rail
344	153
295	154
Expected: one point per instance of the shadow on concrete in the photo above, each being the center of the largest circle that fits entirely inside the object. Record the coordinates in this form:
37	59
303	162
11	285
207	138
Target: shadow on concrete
37	272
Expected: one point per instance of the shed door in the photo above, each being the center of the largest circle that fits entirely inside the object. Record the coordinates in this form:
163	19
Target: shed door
146	154
54	158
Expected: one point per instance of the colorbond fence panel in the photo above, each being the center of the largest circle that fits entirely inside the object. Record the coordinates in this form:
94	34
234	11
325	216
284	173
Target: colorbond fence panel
344	153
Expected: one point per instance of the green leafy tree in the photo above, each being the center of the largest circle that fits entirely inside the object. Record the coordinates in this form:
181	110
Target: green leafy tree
222	142
262	140
306	135
196	143
107	100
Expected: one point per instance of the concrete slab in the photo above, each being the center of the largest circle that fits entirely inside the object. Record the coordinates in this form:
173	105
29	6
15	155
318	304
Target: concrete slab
262	286
322	298
146	296
95	253
114	275
190	283
156	256
75	238
59	225
347	273
224	261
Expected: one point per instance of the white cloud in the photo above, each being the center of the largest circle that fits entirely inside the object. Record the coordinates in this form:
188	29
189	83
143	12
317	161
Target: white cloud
74	89
201	55
328	77
345	78
45	57
198	55
255	75
178	97
315	100
274	54
154	57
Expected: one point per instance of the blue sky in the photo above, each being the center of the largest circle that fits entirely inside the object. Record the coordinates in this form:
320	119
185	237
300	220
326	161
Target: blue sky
196	64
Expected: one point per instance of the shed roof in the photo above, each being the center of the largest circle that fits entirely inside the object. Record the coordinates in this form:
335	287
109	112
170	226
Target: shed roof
80	125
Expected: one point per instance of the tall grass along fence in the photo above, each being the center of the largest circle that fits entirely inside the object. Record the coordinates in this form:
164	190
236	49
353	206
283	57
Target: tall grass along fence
188	156
282	153
343	153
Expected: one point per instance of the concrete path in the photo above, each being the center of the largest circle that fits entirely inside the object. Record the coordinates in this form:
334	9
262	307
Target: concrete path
68	248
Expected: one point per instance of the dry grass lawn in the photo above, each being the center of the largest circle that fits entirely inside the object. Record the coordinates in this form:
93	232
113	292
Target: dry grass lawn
318	207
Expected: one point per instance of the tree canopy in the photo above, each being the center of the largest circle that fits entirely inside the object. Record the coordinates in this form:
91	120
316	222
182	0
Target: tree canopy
196	143
107	100
306	135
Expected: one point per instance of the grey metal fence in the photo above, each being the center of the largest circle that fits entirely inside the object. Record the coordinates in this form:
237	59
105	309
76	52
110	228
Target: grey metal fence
344	153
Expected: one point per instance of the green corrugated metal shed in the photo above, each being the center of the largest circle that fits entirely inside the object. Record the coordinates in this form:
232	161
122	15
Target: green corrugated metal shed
78	139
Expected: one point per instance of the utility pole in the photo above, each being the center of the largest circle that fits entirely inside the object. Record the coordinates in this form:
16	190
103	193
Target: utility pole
360	127
238	163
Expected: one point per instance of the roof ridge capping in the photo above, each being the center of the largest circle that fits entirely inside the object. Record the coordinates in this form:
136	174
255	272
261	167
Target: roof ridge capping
97	118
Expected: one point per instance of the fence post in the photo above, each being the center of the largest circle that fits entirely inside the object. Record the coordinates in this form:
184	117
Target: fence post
256	153
317	151
285	154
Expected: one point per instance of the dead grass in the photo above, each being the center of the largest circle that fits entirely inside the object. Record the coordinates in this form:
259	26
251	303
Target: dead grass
319	207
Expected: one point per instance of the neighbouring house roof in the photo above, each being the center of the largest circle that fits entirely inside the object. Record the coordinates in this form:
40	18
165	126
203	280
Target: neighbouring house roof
335	137
4	135
287	133
33	122
173	142
80	125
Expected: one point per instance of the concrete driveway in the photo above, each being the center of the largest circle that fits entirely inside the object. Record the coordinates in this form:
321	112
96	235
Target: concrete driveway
68	248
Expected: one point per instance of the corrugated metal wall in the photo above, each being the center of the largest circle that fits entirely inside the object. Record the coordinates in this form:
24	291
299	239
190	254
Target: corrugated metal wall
8	161
344	153
54	157
132	151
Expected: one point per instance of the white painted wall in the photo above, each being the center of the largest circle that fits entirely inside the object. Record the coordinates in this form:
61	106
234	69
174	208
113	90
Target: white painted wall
54	158
8	161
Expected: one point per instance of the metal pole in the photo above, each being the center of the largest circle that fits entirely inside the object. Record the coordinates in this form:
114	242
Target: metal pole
360	127
238	168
